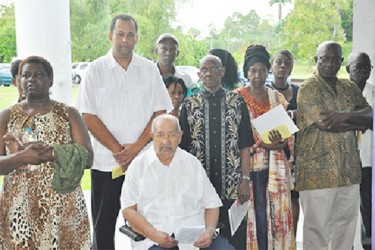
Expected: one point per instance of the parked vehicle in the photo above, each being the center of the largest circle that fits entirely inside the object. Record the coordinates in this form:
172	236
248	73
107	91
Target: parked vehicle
191	71
5	75
78	70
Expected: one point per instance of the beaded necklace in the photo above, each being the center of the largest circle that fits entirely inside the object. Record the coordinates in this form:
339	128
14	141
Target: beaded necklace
280	89
256	108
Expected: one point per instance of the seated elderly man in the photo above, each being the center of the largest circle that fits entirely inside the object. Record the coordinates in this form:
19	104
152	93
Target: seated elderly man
167	189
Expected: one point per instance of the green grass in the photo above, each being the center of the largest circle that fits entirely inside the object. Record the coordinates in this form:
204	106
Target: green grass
303	70
9	95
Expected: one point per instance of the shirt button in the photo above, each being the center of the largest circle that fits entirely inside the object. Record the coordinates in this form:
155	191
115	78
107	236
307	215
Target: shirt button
214	118
215	160
214	146
216	173
214	131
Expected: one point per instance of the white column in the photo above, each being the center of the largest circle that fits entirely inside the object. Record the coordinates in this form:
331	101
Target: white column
364	41
364	30
43	29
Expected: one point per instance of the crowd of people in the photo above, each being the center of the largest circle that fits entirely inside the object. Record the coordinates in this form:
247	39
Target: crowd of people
189	151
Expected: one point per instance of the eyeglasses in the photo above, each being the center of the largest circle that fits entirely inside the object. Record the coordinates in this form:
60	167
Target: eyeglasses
361	67
170	136
204	71
335	59
38	75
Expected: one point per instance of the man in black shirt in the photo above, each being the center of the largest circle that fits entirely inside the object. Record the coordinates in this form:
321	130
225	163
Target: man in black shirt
216	129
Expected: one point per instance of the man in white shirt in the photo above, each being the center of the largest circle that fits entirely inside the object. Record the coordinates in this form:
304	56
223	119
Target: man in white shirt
359	68
120	94
167	189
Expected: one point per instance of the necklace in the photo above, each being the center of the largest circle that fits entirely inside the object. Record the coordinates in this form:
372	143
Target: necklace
282	89
256	109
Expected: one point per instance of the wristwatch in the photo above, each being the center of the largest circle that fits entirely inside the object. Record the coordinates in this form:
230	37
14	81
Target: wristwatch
214	232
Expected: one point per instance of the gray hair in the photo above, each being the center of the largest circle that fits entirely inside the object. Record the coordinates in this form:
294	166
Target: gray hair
162	117
211	58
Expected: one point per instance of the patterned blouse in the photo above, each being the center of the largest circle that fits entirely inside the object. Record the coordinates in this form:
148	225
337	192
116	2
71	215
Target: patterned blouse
216	128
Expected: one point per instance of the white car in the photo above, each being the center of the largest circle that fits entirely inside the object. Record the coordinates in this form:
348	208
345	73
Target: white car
191	71
78	70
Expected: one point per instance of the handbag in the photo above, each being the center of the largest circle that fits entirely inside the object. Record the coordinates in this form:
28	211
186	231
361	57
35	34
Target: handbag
128	231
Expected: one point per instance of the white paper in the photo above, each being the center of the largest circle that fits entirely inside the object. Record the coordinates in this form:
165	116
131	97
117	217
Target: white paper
188	235
273	119
236	214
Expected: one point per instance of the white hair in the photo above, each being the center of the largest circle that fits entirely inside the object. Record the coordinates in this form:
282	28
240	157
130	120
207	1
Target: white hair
162	117
211	58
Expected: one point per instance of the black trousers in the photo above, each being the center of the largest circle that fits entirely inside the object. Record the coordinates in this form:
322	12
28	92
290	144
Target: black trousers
366	195
105	206
238	240
260	181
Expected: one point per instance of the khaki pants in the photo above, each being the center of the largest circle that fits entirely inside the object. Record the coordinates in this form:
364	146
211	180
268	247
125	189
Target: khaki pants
330	217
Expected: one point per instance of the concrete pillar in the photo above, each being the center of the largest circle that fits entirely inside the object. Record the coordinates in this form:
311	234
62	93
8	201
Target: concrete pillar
364	30
43	29
364	40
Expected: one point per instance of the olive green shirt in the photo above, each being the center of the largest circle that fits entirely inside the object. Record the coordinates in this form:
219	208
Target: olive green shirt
326	159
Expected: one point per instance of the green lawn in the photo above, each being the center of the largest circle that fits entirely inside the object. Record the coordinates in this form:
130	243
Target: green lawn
8	95
302	70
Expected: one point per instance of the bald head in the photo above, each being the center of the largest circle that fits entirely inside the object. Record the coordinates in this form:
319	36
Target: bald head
359	68
328	59
356	57
328	45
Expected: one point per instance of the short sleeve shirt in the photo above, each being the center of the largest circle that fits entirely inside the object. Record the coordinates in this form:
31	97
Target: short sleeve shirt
169	197
124	100
326	159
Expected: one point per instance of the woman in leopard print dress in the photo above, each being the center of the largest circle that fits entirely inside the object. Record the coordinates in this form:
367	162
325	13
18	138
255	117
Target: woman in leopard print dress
32	214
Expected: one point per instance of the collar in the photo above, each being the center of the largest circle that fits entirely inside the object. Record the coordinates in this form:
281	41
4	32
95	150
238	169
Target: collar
112	63
219	93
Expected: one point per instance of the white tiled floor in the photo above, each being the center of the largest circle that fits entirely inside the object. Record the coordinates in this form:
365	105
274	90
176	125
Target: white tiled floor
123	243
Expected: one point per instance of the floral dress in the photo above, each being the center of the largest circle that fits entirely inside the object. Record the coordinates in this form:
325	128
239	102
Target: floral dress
278	204
32	215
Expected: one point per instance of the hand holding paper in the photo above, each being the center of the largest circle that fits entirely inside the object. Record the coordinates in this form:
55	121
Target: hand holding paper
275	119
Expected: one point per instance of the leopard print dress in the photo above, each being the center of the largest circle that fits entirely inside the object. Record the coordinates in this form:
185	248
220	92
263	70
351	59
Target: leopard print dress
32	215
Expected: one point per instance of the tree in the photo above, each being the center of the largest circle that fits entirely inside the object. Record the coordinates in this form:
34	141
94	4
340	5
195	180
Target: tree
302	31
8	47
280	4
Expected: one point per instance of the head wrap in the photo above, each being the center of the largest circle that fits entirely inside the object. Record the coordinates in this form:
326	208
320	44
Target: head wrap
256	54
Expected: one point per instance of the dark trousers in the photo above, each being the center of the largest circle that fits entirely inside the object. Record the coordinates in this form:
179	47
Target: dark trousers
260	180
105	206
366	194
238	240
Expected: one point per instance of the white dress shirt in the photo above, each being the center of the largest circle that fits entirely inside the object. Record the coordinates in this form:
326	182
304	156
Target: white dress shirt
124	100
169	197
365	145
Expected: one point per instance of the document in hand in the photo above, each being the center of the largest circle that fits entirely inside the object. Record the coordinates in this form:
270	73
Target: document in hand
236	214
117	172
275	119
188	235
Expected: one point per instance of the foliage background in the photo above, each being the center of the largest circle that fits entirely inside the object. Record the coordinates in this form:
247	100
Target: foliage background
307	25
